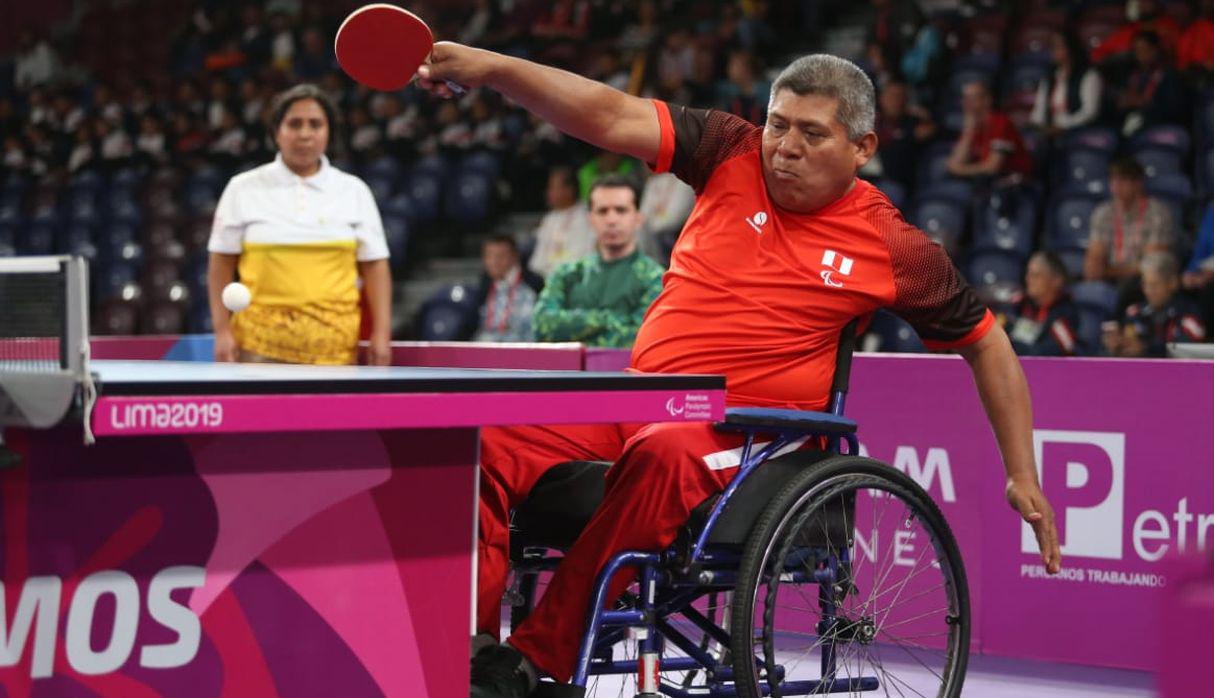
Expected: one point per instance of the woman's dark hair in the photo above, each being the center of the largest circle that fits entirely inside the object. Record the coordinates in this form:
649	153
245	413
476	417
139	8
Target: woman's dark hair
1075	50
283	101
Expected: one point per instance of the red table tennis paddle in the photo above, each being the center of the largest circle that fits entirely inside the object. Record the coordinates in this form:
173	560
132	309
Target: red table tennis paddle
382	46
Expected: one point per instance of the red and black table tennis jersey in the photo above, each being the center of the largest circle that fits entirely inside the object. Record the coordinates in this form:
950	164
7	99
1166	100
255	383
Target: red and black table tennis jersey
760	294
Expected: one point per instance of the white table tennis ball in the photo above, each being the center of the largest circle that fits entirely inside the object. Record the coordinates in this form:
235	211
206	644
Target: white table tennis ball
236	296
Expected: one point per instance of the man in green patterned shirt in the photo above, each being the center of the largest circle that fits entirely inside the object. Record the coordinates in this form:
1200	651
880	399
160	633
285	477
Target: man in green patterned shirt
600	299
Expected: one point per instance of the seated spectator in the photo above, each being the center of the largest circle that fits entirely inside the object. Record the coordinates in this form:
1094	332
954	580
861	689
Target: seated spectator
665	204
1166	316
1196	48
901	129
601	299
1124	229
1069	97
1198	277
564	233
1154	93
1045	321
989	145
507	293
1141	15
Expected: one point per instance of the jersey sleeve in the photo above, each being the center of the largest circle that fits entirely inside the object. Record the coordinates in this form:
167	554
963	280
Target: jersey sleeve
696	141
929	292
227	229
369	227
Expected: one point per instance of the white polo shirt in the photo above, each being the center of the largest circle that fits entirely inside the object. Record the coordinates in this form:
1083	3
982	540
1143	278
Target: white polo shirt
299	240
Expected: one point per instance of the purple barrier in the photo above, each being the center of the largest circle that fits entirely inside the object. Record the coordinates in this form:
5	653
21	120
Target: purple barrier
1125	462
1184	628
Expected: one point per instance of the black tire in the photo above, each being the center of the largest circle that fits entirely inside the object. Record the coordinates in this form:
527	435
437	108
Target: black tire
788	528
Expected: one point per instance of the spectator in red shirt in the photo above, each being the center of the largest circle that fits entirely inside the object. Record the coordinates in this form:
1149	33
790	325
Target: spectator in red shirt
843	251
1143	15
989	146
1196	49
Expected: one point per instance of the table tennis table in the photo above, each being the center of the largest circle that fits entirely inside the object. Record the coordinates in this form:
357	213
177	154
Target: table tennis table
255	529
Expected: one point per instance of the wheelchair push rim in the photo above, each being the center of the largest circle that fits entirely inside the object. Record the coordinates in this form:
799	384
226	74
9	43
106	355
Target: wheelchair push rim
852	583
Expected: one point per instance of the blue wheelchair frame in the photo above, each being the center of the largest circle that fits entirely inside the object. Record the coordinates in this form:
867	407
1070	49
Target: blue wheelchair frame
670	581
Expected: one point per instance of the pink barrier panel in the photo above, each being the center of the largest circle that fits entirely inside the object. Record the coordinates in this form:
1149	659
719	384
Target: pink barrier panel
1185	628
1124	459
336	564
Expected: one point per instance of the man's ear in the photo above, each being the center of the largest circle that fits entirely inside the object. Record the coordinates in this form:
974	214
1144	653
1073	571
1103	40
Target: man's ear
866	148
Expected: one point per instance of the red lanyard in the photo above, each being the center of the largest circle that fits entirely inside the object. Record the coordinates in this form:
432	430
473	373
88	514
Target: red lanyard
1119	232
489	312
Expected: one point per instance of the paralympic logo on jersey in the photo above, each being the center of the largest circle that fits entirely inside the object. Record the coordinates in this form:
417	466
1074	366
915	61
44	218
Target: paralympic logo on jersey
1084	475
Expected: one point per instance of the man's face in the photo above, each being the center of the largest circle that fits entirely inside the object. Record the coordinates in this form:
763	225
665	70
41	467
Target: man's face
893	99
975	100
498	259
1125	189
808	159
559	193
1158	288
614	216
1041	284
1145	53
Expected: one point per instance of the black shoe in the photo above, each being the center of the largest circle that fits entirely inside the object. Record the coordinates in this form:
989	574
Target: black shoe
497	672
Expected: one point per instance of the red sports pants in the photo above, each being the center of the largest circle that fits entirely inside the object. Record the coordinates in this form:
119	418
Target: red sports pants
660	473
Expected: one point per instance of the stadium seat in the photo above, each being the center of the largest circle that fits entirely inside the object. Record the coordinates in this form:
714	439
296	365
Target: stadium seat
1172	186
943	221
482	161
1095	294
1093	138
396	233
1158	161
1011	232
890	333
1082	168
200	198
199	319
956	190
117	318
163	318
425	190
1070	223
469	198
993	266
893	190
449	314
385	167
35	239
1072	258
381	188
1174	138
400	205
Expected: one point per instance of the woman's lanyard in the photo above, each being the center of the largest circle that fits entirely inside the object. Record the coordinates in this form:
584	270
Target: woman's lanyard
1119	233
490	312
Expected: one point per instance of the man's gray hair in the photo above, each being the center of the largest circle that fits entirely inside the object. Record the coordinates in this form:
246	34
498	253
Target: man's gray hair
1162	263
831	76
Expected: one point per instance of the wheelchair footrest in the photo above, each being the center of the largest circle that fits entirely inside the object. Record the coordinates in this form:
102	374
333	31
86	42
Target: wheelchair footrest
759	419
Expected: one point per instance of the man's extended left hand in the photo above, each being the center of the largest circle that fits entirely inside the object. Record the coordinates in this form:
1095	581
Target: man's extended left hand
1027	498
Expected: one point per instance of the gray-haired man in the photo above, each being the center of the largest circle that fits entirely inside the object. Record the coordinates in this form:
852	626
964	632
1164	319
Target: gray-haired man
788	246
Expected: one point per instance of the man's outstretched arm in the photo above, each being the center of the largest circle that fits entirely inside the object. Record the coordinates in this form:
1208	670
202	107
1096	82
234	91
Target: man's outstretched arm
1005	395
583	108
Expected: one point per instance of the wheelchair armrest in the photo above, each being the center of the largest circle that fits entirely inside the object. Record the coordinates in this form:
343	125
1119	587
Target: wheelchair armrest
760	419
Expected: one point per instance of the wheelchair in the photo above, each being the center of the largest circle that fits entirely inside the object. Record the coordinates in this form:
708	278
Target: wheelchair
814	572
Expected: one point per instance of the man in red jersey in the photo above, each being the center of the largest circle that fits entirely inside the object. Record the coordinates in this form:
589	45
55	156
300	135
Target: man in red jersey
784	247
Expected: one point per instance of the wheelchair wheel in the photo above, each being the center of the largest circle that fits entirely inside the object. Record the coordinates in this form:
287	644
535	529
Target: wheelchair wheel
850	582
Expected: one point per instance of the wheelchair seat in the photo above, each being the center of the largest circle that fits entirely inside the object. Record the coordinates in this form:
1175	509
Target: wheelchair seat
564	498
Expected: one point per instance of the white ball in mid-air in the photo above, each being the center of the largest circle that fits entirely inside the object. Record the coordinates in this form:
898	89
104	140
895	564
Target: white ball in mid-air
236	296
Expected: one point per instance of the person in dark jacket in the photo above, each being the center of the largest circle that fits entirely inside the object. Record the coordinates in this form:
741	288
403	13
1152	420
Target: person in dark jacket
1046	320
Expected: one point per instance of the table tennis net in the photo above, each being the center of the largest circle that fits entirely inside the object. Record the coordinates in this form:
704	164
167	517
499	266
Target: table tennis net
33	316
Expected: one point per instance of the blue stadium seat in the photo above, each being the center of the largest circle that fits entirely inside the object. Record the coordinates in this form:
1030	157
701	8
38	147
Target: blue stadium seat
1093	138
1174	138
200	197
469	198
435	165
933	163
1080	167
163	318
1158	161
38	238
483	161
117	318
958	191
1072	258
1170	186
89	179
208	175
126	177
78	239
1070	223
943	221
1090	330
1010	233
123	205
443	322
381	188
384	166
994	266
892	334
1095	294
1025	76
425	190
400	205
10	210
396	233
199	320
